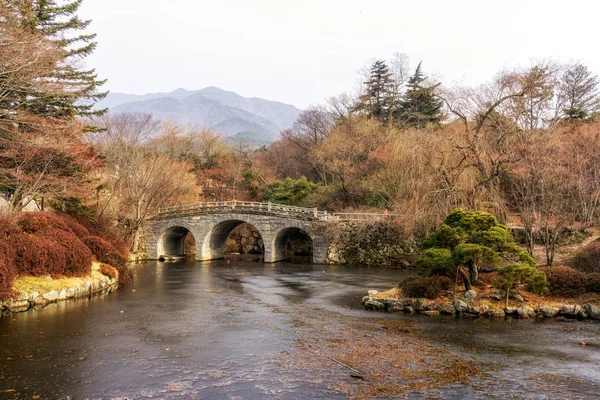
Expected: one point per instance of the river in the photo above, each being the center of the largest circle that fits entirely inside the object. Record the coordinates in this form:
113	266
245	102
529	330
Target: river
238	329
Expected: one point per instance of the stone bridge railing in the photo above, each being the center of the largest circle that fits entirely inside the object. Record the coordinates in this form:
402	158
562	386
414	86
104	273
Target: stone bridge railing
269	208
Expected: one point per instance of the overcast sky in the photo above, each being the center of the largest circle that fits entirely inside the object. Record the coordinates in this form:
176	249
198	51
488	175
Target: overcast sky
301	52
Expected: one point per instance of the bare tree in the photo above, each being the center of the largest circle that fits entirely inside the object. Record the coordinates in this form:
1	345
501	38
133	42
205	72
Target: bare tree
124	128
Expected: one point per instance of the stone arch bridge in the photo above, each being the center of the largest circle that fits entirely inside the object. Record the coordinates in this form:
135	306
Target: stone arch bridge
210	224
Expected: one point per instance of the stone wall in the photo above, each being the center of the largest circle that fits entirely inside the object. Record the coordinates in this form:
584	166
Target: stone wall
370	243
79	288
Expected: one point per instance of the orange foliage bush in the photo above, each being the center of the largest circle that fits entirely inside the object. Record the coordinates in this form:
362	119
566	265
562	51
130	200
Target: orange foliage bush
108	270
78	256
565	281
104	251
57	244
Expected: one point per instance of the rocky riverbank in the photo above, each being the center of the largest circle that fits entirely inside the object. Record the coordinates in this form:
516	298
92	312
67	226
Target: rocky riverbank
38	292
470	306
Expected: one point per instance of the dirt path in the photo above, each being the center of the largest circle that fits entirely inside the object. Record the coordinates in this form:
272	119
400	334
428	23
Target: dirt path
563	253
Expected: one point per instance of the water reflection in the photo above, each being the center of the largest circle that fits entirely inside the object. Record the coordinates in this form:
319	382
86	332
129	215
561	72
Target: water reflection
217	330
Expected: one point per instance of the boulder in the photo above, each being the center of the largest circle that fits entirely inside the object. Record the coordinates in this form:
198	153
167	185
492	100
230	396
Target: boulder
525	312
570	311
396	306
409	309
473	310
374	305
18	306
51	295
592	311
494	314
446	310
365	299
40	301
62	295
510	310
422	305
470	295
547	311
460	305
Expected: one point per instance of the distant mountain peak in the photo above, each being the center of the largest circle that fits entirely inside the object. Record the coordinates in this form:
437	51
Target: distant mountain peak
224	111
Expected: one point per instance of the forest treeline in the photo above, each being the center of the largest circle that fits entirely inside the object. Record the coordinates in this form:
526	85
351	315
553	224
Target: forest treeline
525	142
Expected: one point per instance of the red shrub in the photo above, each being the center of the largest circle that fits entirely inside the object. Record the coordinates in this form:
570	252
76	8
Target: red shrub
108	270
588	258
104	251
78	256
7	271
35	222
441	282
41	256
565	281
79	230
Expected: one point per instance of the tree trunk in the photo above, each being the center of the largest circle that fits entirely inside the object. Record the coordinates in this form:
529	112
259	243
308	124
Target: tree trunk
465	277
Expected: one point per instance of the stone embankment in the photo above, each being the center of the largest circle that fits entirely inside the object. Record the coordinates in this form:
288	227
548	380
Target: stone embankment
466	307
370	243
39	292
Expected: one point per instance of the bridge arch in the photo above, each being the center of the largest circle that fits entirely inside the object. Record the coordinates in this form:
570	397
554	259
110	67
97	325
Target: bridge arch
171	242
282	239
213	241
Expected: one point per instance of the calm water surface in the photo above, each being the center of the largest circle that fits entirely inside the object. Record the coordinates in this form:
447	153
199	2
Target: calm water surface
217	330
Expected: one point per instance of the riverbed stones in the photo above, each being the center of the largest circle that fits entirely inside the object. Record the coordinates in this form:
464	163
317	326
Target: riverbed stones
470	295
547	311
460	306
525	312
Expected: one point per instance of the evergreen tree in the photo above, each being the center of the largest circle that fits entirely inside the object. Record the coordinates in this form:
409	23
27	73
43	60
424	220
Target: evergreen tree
377	100
469	240
579	88
75	89
420	106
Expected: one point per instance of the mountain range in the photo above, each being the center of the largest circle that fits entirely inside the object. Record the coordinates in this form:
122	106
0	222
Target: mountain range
255	120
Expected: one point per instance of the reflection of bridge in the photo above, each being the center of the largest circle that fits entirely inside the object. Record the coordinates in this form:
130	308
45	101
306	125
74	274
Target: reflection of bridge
211	223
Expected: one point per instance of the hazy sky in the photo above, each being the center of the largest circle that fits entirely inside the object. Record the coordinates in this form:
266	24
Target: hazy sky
303	51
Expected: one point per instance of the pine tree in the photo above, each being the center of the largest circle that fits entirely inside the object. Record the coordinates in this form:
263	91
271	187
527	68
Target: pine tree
579	87
76	89
420	106
377	99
